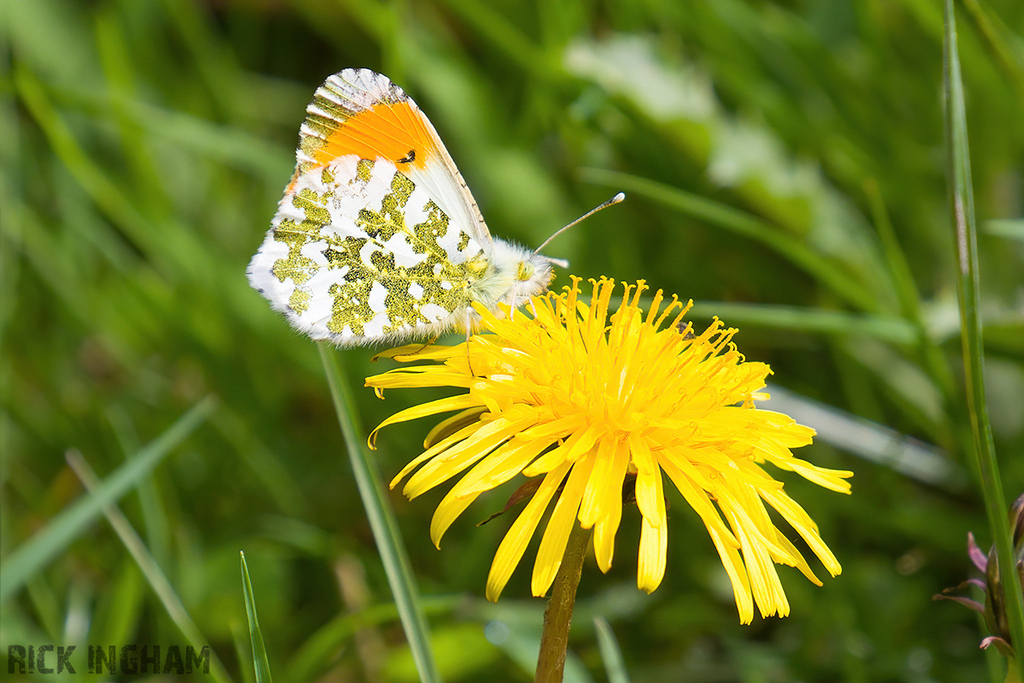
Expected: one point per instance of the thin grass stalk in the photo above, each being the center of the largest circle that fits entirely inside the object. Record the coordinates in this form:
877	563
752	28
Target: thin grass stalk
968	291
261	665
907	292
382	521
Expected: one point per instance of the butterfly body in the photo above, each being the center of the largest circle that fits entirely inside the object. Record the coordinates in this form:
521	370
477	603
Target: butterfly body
377	239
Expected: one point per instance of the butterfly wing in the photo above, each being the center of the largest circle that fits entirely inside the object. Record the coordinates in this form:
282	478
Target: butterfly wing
362	113
377	237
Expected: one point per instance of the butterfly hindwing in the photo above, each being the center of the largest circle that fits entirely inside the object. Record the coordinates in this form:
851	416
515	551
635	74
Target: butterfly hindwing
357	253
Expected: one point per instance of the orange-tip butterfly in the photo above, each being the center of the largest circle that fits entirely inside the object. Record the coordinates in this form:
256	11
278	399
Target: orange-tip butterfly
377	238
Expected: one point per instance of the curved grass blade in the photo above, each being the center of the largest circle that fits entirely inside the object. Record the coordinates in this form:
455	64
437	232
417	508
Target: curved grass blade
382	522
259	653
307	663
35	553
888	329
611	654
149	567
968	292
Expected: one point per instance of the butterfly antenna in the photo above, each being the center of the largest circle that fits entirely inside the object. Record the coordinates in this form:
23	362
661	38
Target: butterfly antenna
614	200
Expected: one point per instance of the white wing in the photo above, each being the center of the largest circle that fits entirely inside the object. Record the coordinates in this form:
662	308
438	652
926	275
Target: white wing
360	112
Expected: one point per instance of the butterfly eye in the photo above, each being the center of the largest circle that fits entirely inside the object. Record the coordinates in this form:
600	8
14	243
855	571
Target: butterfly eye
525	271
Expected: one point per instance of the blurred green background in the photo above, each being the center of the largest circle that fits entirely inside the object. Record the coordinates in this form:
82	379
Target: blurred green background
784	166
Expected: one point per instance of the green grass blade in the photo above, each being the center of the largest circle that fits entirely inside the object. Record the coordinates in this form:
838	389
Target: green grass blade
115	621
899	267
243	650
382	521
611	654
322	645
999	39
491	25
906	289
869	440
1007	227
307	663
105	191
35	553
744	224
259	652
150	569
810	320
968	291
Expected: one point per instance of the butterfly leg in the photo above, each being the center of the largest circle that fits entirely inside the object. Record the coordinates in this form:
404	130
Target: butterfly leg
425	345
469	333
512	301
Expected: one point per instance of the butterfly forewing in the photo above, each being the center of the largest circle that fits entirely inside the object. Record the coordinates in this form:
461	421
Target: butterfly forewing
377	238
363	113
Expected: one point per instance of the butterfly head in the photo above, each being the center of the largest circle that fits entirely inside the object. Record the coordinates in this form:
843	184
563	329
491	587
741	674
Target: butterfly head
534	273
516	275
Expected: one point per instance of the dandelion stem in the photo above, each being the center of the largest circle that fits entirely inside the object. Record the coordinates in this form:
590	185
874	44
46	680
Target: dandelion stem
554	640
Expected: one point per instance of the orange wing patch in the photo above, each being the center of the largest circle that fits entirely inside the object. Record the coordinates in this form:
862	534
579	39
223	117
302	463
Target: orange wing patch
391	131
363	114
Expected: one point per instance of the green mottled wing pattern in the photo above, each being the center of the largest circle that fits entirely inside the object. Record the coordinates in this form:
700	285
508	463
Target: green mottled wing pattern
357	254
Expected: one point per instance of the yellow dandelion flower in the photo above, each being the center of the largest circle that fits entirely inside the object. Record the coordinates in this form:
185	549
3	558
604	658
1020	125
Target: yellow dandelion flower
581	401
